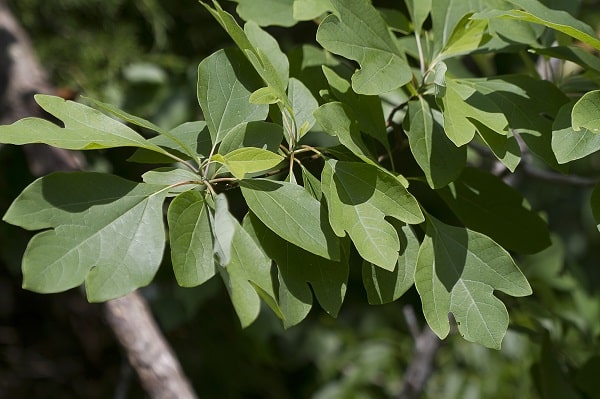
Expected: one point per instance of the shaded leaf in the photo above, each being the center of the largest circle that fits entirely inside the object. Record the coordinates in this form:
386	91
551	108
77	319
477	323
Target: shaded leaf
303	105
257	134
104	230
418	10
280	12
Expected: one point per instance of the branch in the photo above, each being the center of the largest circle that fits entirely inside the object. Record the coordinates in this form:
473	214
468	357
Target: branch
421	367
21	76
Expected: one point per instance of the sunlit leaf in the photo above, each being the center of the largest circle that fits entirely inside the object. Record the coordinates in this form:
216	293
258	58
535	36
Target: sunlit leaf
250	160
569	144
280	11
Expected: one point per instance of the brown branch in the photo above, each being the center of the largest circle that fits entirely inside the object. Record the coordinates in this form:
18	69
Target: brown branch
21	76
422	365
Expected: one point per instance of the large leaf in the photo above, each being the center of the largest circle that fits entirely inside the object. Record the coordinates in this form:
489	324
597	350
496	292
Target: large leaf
297	269
225	82
458	271
385	286
306	10
292	213
359	197
358	32
280	12
438	157
586	112
483	202
84	128
569	144
191	239
104	230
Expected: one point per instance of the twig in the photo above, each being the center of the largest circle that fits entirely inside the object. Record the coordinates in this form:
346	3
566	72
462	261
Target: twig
421	367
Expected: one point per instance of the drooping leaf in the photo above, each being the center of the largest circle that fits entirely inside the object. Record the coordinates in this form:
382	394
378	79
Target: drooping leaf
225	83
483	202
191	239
248	160
299	268
438	157
104	230
359	197
366	109
280	12
458	271
247	276
257	134
293	214
385	286
569	144
358	32
85	128
586	112
505	148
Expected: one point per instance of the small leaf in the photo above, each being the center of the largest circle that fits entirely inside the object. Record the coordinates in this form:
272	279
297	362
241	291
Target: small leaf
104	230
180	179
290	211
418	10
264	95
458	271
250	160
303	105
225	83
384	286
223	228
257	134
468	35
358	32
359	197
191	239
569	144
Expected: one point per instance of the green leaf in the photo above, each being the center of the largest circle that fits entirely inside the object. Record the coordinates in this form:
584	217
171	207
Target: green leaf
505	148
586	112
192	140
535	12
259	47
468	35
311	183
418	10
438	157
292	213
306	10
458	271
264	95
85	128
359	197
104	230
367	109
279	12
223	228
247	276
249	160
385	286
569	144
191	239
299	268
180	179
358	32
303	105
225	83
463	103
257	134
338	120
483	202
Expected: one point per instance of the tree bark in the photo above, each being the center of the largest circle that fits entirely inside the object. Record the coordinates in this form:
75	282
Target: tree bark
21	76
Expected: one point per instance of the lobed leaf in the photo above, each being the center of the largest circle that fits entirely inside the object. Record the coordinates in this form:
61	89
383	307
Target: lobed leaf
358	32
359	197
458	271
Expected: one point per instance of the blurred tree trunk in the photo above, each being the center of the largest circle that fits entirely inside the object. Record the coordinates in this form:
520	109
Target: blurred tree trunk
21	76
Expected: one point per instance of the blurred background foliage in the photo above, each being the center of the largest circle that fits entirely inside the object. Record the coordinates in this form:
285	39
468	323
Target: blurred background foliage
142	55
